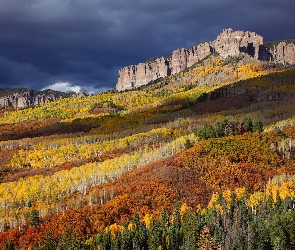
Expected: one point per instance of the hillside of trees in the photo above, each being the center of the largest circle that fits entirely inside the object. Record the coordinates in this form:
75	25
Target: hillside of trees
203	159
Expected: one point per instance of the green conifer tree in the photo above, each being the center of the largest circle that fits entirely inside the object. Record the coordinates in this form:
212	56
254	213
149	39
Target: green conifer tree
191	229
219	128
36	246
248	124
154	235
8	245
258	126
140	236
49	243
34	218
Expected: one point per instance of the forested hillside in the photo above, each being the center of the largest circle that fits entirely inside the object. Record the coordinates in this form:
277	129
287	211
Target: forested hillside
202	159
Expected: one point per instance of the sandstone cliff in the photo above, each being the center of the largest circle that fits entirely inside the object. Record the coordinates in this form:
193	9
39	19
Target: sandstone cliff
227	43
283	52
23	98
134	76
184	58
230	43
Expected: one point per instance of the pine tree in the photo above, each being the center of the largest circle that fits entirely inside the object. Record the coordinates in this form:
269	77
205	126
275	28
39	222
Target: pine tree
67	239
71	242
36	246
59	242
219	128
8	245
262	239
258	126
154	235
34	218
140	236
49	243
103	240
126	240
248	124
74	243
172	238
206	132
187	144
278	238
191	229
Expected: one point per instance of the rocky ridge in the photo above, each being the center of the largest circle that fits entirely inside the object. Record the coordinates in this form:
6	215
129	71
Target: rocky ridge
228	43
283	52
23	98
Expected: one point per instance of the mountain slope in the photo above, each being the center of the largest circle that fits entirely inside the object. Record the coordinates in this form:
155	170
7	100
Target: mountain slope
100	170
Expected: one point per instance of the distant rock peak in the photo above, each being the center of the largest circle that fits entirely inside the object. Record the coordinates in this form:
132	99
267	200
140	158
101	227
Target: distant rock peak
228	43
231	43
23	98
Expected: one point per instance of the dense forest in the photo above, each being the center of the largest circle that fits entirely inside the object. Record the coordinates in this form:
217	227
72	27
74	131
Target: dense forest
202	159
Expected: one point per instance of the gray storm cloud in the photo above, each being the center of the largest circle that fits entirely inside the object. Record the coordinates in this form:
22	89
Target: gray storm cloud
45	42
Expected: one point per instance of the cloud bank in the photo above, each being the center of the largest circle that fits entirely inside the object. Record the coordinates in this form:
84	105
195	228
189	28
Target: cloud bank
64	87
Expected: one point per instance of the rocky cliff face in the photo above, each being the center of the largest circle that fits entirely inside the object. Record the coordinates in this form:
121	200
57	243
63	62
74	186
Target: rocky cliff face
184	58
230	43
134	76
23	98
283	53
227	43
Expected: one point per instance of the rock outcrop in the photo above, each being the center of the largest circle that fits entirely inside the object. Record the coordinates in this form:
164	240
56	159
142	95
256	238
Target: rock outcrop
283	52
23	98
184	58
227	43
134	76
230	43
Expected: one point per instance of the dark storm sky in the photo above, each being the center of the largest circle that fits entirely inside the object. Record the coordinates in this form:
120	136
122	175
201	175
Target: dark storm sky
81	44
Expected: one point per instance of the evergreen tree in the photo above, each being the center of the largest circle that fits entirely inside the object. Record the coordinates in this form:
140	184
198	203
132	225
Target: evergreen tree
116	244
8	245
278	238
59	242
262	240
67	239
288	222
191	229
36	246
103	240
172	240
187	144
71	242
140	236
126	240
281	133
206	132
219	128
49	243
154	235
164	219
34	218
74	242
258	126
248	124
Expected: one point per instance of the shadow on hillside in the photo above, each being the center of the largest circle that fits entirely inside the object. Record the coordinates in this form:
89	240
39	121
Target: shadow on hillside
273	92
271	88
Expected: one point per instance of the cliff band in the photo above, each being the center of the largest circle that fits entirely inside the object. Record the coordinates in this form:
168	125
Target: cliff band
228	43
